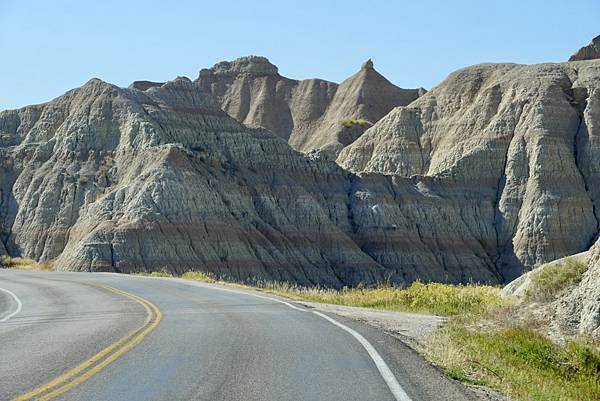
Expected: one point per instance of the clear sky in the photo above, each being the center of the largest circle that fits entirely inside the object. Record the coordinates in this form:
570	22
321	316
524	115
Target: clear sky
50	46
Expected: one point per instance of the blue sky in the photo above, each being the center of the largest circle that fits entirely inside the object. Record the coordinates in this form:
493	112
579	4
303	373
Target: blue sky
48	47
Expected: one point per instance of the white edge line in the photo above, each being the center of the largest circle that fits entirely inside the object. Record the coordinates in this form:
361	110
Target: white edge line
17	310
382	367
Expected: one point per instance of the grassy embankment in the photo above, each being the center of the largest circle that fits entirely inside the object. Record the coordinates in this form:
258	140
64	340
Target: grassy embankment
514	356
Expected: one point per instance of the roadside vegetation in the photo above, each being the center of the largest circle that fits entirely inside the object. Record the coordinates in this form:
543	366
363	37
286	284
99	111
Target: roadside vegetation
154	274
503	349
432	298
7	262
199	276
482	343
517	360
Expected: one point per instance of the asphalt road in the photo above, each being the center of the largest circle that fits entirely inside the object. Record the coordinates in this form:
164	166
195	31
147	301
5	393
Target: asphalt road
113	337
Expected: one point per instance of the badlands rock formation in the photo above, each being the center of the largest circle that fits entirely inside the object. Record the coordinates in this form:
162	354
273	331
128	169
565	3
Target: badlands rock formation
309	114
105	178
493	172
525	139
160	178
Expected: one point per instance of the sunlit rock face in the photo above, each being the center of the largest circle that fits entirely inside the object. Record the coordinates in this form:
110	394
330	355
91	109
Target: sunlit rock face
578	310
525	138
491	173
311	114
160	178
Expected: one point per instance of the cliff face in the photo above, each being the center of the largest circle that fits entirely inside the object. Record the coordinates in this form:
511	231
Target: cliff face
525	137
105	178
309	114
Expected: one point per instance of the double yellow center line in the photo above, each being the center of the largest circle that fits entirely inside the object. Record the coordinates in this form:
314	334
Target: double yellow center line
96	363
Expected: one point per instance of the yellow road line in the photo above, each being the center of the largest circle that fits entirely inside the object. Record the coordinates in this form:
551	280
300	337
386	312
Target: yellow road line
96	363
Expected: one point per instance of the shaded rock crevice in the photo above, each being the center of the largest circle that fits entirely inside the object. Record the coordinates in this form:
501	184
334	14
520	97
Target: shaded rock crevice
581	139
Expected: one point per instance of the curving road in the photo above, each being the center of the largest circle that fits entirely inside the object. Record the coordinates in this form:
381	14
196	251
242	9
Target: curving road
111	337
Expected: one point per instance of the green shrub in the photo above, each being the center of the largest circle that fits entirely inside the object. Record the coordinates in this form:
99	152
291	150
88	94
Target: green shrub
354	122
551	279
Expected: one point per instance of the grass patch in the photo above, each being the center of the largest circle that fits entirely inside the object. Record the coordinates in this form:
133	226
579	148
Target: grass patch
518	361
154	274
7	262
199	276
551	279
356	122
434	298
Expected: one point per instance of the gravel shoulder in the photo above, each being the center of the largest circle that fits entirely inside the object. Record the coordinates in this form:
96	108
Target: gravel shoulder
411	328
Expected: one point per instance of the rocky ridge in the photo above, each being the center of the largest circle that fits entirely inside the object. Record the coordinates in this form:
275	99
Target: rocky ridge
309	114
111	179
525	138
578	310
589	52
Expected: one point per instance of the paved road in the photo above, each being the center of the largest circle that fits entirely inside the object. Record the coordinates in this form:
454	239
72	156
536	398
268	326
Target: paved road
112	337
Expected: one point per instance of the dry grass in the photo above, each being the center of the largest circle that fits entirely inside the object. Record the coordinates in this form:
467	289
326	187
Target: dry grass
551	279
434	298
7	262
199	276
154	274
353	122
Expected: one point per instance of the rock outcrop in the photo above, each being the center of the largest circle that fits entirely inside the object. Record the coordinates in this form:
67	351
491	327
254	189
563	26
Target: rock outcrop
311	114
589	52
579	308
575	309
525	138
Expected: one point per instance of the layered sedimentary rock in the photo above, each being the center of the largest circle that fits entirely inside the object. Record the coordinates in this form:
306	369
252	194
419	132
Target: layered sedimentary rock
493	172
525	137
160	178
310	114
589	52
105	178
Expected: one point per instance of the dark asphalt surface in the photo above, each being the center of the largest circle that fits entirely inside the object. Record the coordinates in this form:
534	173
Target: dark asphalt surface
210	345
